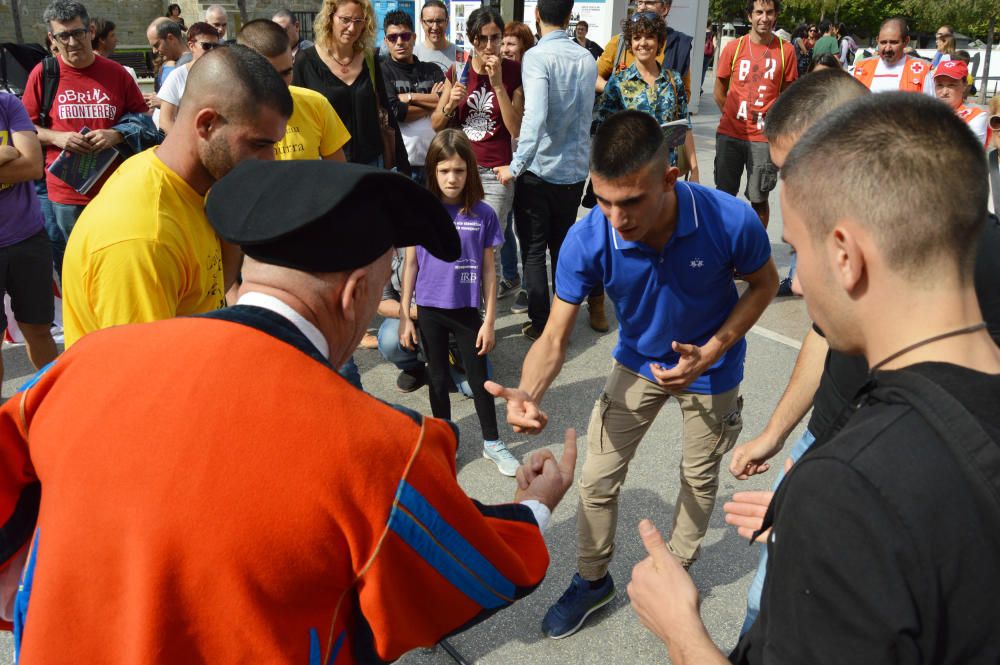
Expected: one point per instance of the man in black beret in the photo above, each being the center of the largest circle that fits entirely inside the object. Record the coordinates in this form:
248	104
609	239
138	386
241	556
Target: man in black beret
234	500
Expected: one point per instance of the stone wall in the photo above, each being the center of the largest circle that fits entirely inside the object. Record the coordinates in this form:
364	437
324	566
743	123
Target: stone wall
130	16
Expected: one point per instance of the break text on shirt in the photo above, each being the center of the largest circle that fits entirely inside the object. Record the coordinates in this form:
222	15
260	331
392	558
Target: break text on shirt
752	71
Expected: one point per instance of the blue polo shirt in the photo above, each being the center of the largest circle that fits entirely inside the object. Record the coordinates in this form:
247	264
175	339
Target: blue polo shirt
683	293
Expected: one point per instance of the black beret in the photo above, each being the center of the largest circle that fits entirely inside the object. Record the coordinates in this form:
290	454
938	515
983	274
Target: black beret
325	216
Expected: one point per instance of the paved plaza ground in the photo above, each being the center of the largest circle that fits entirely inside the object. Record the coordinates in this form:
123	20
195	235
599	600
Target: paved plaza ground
724	571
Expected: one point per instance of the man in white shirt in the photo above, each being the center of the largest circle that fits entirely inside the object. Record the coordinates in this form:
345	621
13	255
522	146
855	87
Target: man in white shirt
892	69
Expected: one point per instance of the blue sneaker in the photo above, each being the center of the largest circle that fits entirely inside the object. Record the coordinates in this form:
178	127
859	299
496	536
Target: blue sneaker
579	602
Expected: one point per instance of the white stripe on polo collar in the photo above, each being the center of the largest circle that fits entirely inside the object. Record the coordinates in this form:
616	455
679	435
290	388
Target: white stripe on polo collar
270	303
694	211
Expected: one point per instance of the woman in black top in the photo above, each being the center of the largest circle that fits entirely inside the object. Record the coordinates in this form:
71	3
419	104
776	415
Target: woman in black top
342	67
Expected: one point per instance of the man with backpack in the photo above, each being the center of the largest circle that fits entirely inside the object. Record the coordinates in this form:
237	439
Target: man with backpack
752	71
75	99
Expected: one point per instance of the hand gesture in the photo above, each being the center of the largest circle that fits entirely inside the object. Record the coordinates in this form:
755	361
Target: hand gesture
689	367
457	96
486	339
522	412
102	139
407	334
74	142
661	591
545	479
494	70
750	458
746	512
438	88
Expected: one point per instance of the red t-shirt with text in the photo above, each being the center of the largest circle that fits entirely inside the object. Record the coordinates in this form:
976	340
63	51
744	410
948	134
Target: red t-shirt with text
756	78
95	97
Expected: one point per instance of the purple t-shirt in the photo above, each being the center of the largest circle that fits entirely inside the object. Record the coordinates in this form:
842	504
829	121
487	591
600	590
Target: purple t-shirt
458	284
20	213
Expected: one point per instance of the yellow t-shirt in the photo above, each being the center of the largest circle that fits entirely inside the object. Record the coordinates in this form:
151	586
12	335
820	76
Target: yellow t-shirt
142	250
314	131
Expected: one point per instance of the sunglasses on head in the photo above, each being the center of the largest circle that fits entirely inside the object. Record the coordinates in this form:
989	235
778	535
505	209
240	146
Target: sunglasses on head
405	36
652	16
995	123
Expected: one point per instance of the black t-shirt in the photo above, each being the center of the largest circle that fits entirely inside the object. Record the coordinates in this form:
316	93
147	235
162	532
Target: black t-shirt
844	375
882	552
354	103
403	77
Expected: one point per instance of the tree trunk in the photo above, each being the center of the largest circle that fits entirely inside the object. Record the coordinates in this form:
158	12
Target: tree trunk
15	13
986	59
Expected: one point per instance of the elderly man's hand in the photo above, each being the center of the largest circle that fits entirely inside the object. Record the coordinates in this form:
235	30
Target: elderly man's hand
545	479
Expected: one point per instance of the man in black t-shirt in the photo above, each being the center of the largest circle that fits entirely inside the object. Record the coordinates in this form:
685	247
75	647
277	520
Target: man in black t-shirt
413	87
886	535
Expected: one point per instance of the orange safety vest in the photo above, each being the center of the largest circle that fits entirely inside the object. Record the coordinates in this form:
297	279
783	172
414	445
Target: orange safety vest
970	113
915	72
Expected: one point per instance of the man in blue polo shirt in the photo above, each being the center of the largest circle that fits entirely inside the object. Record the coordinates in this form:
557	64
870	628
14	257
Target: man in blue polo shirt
665	252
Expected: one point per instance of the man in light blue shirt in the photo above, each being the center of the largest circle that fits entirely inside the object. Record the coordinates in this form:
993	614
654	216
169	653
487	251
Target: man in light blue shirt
553	151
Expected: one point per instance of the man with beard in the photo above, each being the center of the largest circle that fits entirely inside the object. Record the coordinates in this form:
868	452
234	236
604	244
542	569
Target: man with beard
143	250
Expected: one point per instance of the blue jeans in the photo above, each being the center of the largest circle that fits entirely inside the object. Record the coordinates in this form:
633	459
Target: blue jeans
66	216
350	372
52	229
404	359
757	586
791	268
508	252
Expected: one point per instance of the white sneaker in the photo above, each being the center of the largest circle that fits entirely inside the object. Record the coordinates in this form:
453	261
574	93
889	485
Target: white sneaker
502	457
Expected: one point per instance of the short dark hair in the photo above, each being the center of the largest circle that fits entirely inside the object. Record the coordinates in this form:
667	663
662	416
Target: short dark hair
102	28
65	11
445	145
201	28
433	3
626	142
751	3
170	9
397	17
264	36
904	27
584	24
555	12
251	82
825	25
480	18
641	25
809	99
166	26
929	211
827	60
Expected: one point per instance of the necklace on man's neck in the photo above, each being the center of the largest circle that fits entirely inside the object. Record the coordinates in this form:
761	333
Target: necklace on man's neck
951	333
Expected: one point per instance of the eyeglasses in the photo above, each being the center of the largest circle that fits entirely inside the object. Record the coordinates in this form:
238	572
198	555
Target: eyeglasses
349	20
652	16
77	34
208	46
433	21
995	123
405	36
480	40
647	3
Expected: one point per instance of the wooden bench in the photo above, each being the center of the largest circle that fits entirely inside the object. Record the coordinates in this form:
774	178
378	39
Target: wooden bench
141	60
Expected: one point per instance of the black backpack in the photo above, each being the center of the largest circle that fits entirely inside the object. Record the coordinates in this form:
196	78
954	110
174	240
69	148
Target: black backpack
50	83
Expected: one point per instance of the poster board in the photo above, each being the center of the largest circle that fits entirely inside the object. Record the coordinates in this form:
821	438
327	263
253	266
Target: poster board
383	7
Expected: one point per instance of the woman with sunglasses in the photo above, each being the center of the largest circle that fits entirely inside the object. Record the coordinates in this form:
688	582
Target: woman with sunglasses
649	87
993	154
201	38
341	66
804	39
485	100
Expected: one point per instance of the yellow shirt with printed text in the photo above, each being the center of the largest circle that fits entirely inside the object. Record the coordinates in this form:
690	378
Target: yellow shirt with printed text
314	131
142	250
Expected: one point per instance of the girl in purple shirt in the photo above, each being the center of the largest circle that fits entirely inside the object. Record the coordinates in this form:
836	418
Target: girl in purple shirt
449	295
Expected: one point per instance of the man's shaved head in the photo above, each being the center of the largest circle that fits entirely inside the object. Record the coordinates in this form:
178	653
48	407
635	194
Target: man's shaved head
809	99
250	82
925	214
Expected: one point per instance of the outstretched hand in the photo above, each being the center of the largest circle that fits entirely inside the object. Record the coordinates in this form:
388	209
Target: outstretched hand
546	479
523	413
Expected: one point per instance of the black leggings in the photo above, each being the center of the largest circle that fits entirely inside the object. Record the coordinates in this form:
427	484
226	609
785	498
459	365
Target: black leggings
434	325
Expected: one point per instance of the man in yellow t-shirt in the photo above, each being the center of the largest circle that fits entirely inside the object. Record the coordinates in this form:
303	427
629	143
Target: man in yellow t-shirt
315	131
143	249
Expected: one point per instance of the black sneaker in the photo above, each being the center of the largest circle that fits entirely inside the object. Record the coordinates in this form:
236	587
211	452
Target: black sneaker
508	286
520	305
529	330
785	288
411	379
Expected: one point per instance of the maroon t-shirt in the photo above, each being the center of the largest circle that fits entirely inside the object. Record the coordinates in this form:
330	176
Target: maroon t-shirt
95	97
479	117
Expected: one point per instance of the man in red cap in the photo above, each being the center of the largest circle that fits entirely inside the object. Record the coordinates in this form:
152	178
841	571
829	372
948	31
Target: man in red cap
951	84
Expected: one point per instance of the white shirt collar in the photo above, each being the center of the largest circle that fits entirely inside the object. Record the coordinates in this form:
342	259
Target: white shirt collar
270	303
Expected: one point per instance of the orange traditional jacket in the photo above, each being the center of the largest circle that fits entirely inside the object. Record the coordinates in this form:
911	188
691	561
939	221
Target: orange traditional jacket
233	500
915	71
